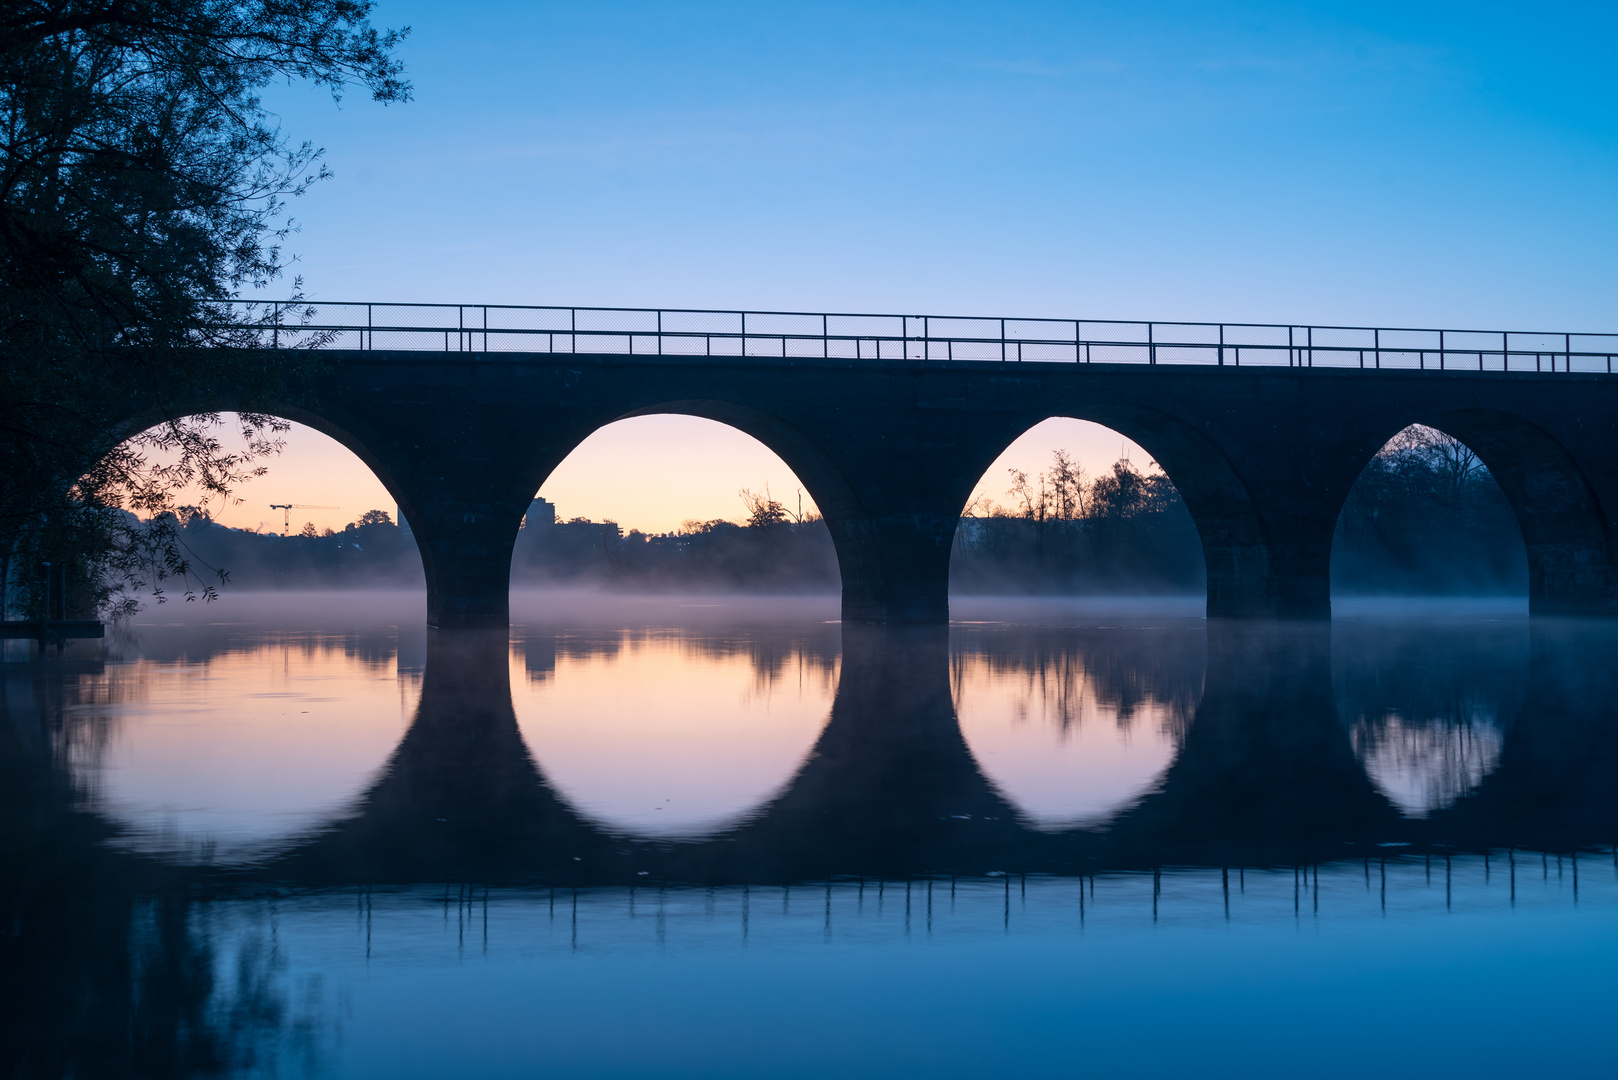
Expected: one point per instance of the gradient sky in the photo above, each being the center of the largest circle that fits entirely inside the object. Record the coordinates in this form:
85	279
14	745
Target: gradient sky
1367	163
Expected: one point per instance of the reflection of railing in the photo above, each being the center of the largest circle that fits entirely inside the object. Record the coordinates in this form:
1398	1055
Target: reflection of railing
495	328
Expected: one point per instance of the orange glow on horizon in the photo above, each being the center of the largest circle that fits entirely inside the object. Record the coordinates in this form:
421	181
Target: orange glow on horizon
651	473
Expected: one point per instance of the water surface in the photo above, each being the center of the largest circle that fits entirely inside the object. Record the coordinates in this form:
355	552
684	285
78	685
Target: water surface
301	835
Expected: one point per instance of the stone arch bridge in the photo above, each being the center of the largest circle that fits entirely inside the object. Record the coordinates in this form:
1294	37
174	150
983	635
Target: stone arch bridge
890	422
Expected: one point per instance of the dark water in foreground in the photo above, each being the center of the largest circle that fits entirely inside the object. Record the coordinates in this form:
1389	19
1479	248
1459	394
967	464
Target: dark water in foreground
301	836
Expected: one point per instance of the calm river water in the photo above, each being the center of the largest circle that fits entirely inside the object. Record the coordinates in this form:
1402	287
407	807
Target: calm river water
297	835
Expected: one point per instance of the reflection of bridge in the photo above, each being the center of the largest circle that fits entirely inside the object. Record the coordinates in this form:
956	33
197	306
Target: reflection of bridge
890	421
1266	776
106	943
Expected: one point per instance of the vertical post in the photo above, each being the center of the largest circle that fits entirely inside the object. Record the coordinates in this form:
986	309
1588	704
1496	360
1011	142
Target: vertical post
660	331
1441	350
825	337
485	328
1078	346
460	328
1291	349
1505	350
573	329
1567	348
744	333
1002	341
370	332
904	337
1221	344
1309	335
1151	344
275	327
1376	340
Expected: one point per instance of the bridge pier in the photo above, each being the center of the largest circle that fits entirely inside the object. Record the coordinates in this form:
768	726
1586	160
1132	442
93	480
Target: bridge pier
468	572
895	569
1288	578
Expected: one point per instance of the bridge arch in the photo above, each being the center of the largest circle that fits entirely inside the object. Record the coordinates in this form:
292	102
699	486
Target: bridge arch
1235	540
866	576
364	445
1566	531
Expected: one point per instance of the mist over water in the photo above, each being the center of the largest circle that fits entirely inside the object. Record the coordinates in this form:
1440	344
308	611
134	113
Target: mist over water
415	853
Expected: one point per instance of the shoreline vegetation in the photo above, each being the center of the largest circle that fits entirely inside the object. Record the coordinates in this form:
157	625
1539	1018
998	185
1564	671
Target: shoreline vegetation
1425	518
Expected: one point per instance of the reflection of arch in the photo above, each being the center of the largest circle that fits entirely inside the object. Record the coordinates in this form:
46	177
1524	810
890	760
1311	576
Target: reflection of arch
1235	542
1266	775
460	798
1564	529
1427	705
1085	698
1554	786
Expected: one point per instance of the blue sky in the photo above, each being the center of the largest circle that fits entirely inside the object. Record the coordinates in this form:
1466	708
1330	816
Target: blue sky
1361	163
1369	164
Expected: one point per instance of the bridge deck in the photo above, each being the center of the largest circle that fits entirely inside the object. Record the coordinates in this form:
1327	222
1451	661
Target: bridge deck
503	328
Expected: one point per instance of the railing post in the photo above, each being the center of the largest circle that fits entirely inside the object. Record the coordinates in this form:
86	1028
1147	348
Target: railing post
1221	344
1309	337
1292	349
370	331
485	329
1567	348
744	333
1078	346
1505	350
660	331
1376	342
573	329
825	338
1151	344
1002	341
1441	350
926	337
275	327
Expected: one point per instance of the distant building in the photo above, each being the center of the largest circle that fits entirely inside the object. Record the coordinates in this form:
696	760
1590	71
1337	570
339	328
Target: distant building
541	512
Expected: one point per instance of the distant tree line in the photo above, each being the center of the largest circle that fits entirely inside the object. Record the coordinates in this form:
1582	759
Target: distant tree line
1424	518
772	550
371	552
1427	518
1059	532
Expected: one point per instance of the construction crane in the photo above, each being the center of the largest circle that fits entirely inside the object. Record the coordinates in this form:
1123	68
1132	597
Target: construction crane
287	508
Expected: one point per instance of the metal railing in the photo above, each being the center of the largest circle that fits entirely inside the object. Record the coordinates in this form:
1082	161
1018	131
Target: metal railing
501	328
